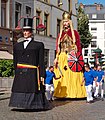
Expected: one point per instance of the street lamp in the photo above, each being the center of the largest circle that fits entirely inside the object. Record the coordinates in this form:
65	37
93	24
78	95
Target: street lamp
39	28
17	32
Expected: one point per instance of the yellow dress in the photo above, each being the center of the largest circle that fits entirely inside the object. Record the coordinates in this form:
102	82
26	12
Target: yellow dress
68	86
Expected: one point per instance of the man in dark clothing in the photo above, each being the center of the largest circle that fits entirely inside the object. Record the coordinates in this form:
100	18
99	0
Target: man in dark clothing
27	92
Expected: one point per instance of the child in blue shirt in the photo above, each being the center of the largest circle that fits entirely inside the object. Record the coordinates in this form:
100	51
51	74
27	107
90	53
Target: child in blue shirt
49	82
100	82
94	82
89	77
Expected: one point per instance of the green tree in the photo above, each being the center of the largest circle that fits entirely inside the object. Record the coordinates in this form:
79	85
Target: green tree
6	68
83	28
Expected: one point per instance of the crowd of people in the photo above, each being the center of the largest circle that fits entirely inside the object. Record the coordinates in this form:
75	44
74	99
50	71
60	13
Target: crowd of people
93	78
94	82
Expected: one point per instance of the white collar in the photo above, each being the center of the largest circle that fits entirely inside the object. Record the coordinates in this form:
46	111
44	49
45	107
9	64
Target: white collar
27	42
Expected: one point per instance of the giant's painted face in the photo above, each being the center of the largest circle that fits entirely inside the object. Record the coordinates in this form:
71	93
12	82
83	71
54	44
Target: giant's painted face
66	24
27	33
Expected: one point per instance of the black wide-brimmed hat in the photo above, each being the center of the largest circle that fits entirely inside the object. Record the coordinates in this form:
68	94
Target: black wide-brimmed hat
28	23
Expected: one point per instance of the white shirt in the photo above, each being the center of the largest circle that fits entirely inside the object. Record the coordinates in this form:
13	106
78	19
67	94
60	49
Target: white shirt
27	42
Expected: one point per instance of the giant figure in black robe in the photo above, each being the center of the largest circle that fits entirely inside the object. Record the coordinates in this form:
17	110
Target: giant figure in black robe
27	91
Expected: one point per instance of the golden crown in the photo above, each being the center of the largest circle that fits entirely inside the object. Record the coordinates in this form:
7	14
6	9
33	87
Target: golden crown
66	16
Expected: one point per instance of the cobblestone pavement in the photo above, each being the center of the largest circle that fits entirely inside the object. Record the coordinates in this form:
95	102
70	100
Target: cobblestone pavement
64	109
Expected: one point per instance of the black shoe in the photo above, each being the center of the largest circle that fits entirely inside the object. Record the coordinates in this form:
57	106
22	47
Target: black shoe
96	97
52	100
92	101
102	99
88	102
49	100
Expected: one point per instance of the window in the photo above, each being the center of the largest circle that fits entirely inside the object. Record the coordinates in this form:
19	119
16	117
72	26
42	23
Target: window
46	23
86	53
37	20
28	11
94	28
3	13
0	38
46	1
93	44
17	13
6	39
68	5
58	26
94	37
46	57
94	16
54	54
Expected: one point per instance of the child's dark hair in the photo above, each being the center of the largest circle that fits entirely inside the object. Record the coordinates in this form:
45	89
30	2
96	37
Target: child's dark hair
86	65
51	67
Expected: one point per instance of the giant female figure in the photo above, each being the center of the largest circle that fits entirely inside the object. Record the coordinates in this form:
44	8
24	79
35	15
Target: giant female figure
68	46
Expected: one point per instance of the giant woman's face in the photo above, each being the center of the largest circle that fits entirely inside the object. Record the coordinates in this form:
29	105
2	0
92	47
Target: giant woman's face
66	25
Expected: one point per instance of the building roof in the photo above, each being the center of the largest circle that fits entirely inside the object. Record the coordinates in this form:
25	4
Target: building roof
92	9
5	55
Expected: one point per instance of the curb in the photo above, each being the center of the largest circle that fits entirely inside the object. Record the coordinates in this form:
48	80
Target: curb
5	93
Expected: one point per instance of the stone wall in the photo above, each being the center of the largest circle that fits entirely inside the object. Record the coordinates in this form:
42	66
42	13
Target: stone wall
6	82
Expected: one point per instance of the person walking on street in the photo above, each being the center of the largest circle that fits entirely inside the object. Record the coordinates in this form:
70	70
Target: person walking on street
100	83
88	78
94	82
49	82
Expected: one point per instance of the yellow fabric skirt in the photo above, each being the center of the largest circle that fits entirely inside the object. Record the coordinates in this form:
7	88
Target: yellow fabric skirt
68	86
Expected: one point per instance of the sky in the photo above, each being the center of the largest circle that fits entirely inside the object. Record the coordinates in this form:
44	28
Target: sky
89	2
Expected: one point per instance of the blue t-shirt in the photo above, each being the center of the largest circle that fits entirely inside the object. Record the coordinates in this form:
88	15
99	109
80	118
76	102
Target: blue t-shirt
95	72
49	77
89	77
100	74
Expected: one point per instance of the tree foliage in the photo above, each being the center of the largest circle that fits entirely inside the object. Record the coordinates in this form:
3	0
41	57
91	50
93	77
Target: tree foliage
6	68
83	28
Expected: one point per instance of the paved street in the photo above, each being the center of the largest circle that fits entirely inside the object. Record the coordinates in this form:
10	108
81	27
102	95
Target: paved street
63	110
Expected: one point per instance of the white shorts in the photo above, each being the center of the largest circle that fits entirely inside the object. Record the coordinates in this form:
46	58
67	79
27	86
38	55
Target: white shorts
49	87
